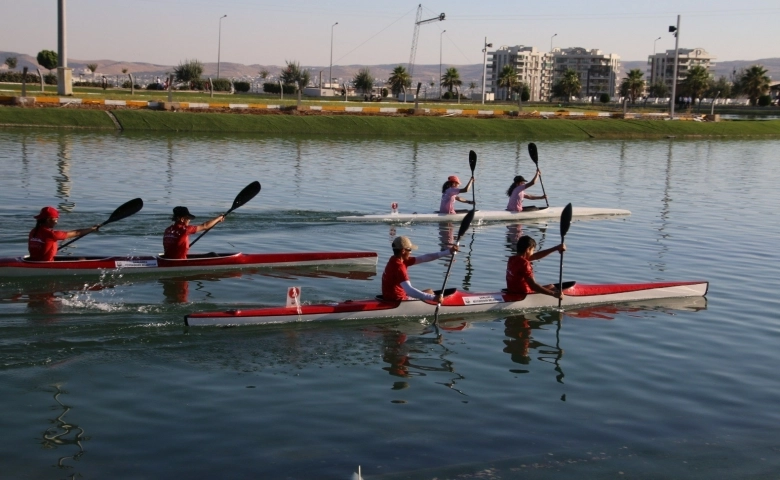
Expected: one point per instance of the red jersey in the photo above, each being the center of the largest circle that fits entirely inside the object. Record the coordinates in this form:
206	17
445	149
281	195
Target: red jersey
518	271
395	274
176	240
42	243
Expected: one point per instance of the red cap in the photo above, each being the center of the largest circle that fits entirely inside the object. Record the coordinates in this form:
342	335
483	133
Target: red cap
47	212
453	178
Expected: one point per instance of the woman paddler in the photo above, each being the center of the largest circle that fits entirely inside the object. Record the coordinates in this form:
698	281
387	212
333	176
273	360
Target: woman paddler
395	280
516	193
176	239
449	193
42	241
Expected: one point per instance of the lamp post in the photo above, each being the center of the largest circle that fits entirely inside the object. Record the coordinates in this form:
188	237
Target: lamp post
551	41
219	42
676	31
484	67
652	64
330	70
441	35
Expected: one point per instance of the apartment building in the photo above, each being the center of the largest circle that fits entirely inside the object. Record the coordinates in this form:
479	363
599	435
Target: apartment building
598	72
533	68
661	65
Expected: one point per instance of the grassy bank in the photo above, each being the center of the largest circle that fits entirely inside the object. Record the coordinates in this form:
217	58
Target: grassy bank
381	126
55	117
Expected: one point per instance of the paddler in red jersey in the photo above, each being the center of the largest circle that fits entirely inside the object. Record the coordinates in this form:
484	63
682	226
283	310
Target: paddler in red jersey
42	241
176	239
395	280
520	272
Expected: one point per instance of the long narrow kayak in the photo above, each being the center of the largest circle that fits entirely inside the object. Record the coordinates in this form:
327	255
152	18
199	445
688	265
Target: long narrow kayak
62	265
457	303
486	215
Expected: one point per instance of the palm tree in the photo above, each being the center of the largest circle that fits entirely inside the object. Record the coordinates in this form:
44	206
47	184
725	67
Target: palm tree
634	84
697	82
472	86
293	73
658	89
507	79
569	84
11	62
188	71
92	67
363	80
399	80
451	79
754	82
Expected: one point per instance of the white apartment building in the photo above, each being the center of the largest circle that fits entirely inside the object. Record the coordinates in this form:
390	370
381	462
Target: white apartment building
598	71
533	68
661	65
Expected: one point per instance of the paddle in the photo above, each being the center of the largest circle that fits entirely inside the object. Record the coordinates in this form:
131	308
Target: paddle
130	208
535	157
464	225
473	165
248	193
565	224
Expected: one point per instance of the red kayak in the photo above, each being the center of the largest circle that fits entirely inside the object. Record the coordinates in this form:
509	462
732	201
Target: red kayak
16	267
455	303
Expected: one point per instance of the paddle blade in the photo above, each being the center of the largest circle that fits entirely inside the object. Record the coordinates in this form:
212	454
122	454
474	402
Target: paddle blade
565	220
248	193
472	161
533	153
130	208
465	223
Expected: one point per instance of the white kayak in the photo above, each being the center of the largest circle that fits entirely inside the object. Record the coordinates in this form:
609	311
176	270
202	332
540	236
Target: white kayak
545	213
455	303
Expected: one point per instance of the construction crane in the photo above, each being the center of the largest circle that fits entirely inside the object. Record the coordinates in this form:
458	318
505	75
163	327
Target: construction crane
417	23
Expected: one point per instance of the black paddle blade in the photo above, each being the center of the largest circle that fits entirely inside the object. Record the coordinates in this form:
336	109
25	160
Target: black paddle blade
565	220
465	223
534	154
472	161
130	208
248	193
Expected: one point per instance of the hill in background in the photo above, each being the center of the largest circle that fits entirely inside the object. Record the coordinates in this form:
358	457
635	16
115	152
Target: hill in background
468	73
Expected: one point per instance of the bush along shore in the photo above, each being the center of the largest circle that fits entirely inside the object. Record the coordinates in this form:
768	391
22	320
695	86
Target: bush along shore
291	120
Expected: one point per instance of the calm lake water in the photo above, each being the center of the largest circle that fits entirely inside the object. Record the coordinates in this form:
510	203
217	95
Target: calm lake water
99	378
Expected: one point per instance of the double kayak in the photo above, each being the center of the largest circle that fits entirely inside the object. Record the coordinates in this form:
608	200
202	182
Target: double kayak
545	213
456	302
16	267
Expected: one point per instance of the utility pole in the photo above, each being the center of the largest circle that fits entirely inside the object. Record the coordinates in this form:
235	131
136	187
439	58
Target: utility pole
64	84
330	70
219	43
676	31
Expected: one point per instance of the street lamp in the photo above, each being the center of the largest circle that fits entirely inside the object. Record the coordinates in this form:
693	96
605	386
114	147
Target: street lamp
441	35
652	64
551	40
219	42
330	70
484	67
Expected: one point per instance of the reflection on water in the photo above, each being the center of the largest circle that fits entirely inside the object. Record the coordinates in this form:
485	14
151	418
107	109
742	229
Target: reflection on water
519	330
63	178
63	434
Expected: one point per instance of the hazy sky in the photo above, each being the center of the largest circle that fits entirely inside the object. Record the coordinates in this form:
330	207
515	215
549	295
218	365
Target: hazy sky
269	32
